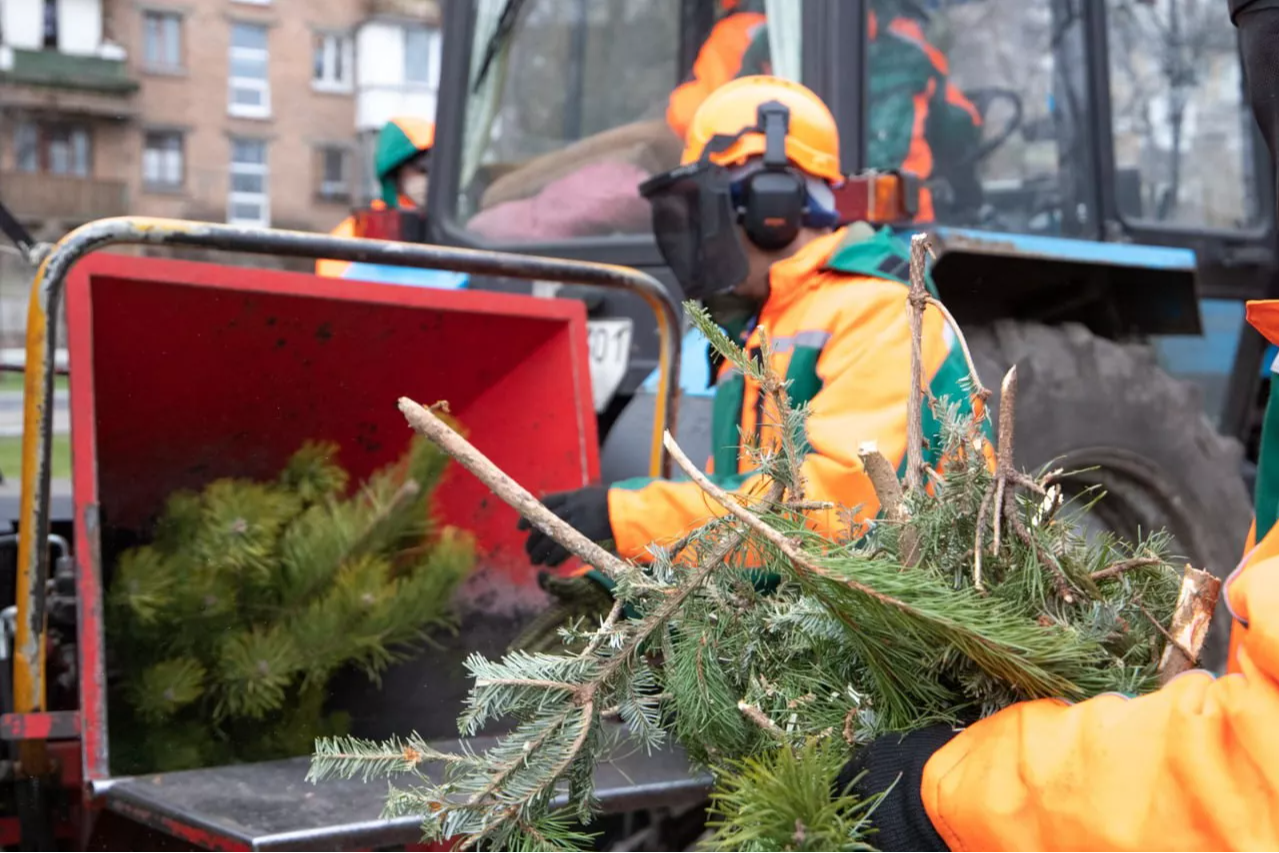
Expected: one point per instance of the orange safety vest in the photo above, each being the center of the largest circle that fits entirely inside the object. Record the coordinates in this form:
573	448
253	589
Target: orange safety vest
1192	766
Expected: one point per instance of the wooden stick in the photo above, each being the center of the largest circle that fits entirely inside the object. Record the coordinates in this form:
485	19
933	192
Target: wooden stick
1190	621
426	424
774	536
980	392
916	300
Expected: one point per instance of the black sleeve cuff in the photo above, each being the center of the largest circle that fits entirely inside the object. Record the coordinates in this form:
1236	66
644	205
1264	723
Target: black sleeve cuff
897	762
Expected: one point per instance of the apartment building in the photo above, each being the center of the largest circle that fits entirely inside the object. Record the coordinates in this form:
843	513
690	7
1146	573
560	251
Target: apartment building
245	111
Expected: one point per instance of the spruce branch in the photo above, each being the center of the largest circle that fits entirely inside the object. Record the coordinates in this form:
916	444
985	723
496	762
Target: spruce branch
426	424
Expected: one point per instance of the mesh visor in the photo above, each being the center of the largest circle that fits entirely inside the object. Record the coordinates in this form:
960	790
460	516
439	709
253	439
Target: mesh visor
695	223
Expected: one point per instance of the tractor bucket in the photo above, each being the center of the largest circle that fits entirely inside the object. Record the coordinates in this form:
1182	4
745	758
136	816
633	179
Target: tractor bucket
186	372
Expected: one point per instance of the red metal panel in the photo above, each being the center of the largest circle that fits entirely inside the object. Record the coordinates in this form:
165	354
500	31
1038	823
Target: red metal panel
202	837
184	372
88	544
46	725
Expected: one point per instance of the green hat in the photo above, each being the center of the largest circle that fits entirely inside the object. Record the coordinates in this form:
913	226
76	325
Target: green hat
400	141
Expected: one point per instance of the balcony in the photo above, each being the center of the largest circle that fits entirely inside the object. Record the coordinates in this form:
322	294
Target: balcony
418	11
65	71
42	196
62	82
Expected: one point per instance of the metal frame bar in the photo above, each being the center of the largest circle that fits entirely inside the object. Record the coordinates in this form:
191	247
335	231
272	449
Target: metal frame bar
46	296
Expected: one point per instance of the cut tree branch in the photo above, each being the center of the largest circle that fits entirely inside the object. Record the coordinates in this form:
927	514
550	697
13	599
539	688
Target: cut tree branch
426	424
1190	620
916	300
774	536
980	392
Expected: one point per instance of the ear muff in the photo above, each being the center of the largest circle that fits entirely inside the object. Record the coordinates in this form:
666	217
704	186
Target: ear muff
773	200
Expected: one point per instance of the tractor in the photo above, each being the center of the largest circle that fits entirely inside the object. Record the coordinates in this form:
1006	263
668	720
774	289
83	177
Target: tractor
1102	234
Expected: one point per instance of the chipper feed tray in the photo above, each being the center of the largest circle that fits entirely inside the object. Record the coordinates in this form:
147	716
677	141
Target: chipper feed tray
185	372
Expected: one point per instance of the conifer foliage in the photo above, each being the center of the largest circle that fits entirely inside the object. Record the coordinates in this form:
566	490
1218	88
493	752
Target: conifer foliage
225	629
971	590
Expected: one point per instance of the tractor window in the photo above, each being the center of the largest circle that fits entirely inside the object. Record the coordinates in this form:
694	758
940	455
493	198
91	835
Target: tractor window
1182	132
985	100
566	115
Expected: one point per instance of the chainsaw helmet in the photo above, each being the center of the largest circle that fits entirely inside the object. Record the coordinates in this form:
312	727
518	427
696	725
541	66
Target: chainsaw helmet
402	140
760	153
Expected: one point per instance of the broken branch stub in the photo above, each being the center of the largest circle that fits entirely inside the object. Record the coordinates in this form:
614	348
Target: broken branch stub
1190	620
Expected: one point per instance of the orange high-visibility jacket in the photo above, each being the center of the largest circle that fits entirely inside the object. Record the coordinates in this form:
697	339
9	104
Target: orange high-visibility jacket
843	341
346	228
1193	766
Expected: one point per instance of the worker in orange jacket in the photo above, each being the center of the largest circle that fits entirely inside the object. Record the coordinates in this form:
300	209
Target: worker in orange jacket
402	165
750	214
718	61
914	104
1193	766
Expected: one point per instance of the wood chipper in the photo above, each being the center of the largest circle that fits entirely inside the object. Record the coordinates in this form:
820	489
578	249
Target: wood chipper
185	372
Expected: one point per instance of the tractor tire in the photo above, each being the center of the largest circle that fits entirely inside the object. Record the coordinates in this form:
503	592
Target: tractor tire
1087	402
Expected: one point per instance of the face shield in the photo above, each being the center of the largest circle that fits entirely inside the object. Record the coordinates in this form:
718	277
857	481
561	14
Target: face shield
695	223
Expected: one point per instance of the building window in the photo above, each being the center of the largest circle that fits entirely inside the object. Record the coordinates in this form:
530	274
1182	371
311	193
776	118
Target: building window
55	149
331	65
26	147
418	47
333	172
161	40
247	201
49	37
250	89
162	159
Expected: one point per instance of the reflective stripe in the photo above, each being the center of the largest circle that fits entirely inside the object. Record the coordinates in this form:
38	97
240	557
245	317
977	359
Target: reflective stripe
814	339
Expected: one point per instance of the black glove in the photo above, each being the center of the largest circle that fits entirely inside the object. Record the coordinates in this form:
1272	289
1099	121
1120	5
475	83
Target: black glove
582	597
900	819
585	509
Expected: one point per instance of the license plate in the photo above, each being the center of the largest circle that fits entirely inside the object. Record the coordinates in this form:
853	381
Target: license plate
609	343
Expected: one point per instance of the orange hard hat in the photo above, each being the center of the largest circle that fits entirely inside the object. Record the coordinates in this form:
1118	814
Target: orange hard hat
812	142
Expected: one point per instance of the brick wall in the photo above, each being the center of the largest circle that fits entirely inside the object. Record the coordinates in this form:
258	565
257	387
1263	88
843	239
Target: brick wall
193	99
